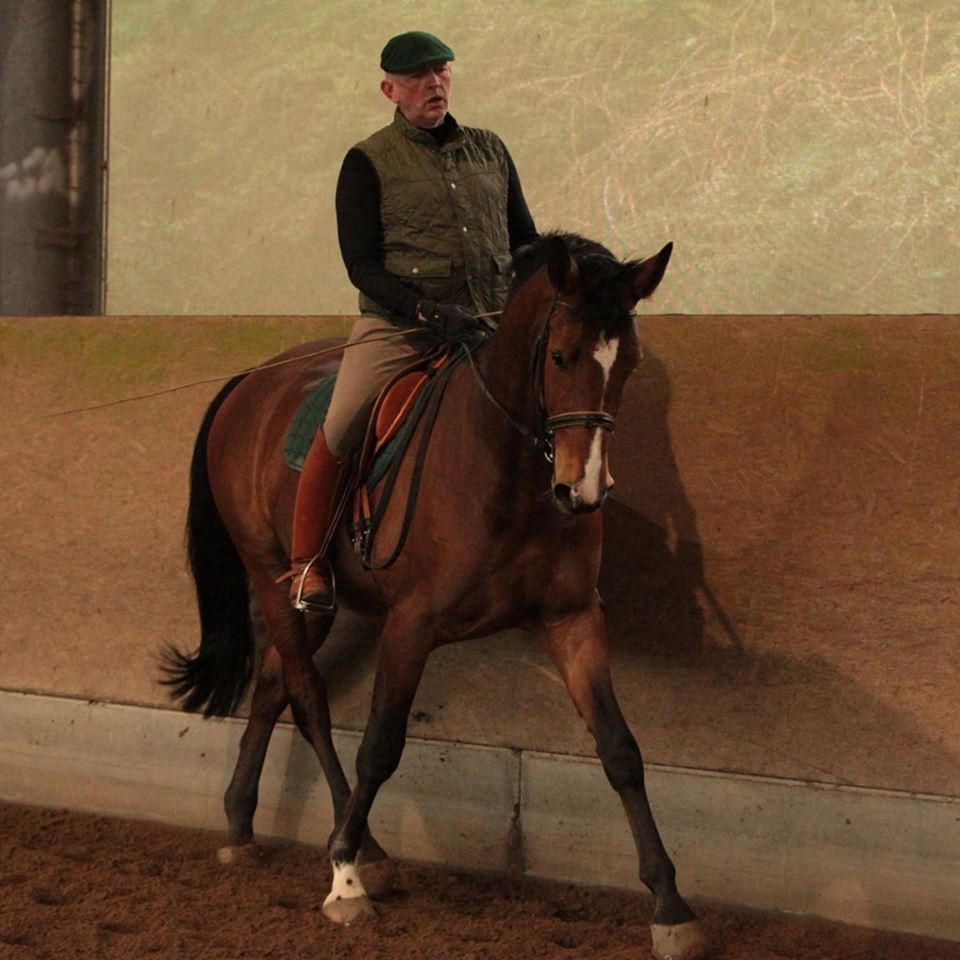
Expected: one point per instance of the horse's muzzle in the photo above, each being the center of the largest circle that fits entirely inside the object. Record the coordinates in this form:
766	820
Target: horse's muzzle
570	499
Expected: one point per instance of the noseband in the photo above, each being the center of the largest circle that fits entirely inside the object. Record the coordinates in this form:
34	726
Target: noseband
542	439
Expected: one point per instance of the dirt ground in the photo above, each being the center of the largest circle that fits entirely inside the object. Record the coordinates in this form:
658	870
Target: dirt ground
80	886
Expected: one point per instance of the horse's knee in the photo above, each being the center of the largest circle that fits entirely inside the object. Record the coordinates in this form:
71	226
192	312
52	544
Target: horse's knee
616	746
621	759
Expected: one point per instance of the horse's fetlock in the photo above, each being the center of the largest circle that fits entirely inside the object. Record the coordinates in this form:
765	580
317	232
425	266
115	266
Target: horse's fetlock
341	852
659	877
237	804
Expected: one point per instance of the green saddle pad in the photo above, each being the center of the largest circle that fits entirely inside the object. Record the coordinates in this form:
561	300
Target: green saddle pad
307	420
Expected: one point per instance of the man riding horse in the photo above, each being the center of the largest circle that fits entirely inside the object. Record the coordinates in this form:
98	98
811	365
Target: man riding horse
428	213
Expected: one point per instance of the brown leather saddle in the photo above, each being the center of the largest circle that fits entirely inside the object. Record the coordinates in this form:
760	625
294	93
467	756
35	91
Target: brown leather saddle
411	397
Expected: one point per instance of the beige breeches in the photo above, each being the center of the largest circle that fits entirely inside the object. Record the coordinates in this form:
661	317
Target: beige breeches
369	362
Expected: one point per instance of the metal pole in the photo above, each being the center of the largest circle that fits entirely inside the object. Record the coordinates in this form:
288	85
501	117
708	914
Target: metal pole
51	148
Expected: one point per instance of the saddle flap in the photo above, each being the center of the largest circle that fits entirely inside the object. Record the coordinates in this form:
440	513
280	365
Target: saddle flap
396	400
411	397
396	403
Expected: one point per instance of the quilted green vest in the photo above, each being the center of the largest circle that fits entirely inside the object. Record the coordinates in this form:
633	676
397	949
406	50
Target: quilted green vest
444	213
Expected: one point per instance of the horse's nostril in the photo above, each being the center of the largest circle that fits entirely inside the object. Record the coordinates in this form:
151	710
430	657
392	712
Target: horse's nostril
563	492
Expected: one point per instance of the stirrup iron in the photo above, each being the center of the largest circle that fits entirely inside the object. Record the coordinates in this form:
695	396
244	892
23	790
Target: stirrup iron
305	606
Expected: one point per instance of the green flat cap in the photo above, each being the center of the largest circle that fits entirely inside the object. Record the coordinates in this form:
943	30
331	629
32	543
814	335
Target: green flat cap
407	51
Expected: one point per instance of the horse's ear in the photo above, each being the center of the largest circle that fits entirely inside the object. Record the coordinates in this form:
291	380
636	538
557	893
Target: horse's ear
646	275
562	268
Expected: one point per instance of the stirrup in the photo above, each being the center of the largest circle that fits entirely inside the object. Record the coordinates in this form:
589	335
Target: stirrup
307	606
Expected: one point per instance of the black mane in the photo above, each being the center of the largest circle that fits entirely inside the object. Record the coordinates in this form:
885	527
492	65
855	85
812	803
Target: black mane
602	302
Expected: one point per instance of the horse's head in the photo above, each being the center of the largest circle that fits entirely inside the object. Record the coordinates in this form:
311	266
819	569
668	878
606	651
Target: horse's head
587	348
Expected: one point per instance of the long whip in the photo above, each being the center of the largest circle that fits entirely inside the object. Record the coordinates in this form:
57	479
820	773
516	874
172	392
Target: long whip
263	366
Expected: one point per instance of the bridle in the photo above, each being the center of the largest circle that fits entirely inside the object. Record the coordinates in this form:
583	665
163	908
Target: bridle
542	438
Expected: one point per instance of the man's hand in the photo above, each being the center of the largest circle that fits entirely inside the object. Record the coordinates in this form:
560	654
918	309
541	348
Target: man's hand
450	320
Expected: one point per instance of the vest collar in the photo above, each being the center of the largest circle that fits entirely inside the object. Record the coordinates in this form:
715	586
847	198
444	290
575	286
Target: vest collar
412	132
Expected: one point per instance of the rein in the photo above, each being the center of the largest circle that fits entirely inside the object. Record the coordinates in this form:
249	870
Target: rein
542	439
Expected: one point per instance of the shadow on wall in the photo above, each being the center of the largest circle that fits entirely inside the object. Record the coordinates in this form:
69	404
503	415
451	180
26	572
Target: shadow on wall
652	578
702	686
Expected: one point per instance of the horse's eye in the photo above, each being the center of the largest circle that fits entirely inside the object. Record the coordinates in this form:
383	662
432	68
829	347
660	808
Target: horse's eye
558	358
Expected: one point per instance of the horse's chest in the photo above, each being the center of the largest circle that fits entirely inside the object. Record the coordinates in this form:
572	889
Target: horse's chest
516	591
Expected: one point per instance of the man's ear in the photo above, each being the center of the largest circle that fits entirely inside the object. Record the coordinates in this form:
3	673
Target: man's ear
388	89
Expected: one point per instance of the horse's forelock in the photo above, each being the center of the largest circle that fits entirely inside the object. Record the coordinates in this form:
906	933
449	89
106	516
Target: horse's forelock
527	260
602	301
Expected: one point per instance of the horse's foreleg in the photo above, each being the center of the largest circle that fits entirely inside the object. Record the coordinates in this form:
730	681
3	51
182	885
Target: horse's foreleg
577	644
399	668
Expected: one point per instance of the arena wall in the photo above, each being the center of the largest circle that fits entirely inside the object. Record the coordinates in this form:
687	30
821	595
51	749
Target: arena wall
781	557
781	576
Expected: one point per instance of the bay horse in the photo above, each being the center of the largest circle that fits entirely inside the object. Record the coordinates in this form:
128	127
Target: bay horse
506	532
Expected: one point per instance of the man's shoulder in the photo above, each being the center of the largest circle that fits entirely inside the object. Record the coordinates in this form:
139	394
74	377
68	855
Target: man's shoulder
485	140
480	133
378	138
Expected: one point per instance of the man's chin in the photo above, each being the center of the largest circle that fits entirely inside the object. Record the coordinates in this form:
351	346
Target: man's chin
429	118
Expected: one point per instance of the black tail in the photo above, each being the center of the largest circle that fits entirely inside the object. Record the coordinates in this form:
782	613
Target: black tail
214	680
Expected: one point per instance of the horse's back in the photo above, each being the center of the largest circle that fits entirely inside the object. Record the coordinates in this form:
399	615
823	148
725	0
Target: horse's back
252	485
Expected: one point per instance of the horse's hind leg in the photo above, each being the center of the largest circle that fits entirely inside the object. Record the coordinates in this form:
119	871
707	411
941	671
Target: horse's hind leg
312	716
578	646
240	800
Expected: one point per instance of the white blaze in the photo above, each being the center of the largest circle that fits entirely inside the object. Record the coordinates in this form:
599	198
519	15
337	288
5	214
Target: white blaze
590	486
606	355
593	472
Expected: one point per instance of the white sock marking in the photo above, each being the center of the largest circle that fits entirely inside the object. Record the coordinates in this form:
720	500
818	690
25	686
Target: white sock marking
346	883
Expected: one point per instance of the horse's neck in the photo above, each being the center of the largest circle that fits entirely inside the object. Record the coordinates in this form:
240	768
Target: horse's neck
506	364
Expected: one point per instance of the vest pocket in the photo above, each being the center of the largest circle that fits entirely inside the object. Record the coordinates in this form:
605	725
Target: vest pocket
416	266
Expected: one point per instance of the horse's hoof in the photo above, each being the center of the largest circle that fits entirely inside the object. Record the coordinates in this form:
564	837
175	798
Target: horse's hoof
377	877
678	941
242	854
354	910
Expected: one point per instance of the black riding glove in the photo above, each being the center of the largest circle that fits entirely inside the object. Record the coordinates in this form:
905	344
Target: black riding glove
450	320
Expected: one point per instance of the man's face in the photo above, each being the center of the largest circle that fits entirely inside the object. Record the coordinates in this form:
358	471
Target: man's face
422	96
